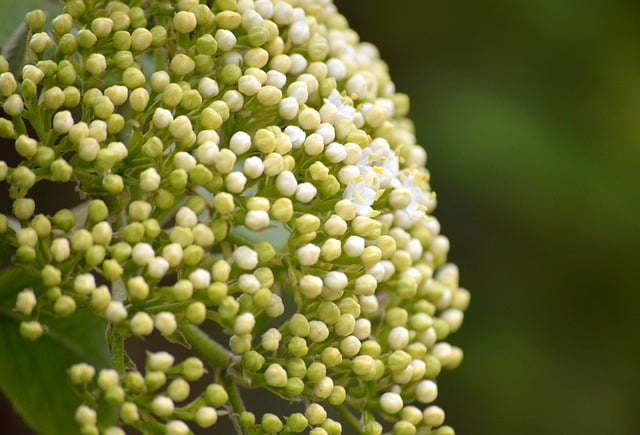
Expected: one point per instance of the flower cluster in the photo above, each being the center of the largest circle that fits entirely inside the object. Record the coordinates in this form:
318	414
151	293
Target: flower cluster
248	165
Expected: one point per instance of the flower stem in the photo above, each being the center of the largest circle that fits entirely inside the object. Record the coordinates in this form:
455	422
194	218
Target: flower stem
349	417
214	354
236	401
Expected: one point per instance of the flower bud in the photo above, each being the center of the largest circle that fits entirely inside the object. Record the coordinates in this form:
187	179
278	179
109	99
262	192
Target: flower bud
216	395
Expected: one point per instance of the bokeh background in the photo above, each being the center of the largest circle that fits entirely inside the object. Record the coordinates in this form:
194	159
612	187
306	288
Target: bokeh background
530	113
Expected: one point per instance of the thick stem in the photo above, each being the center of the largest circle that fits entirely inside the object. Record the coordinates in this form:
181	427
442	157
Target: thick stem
212	352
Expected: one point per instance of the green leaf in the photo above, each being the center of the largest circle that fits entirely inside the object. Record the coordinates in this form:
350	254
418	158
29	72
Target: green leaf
15	48
33	375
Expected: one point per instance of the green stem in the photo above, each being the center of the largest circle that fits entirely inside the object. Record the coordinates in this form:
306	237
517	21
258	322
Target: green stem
116	345
349	417
214	354
236	402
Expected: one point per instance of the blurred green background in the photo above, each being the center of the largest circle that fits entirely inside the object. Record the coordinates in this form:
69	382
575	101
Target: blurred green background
530	113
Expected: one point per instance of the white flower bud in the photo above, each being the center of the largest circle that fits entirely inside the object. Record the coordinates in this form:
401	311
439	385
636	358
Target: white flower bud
208	87
354	246
62	121
433	416
26	301
257	220
162	118
165	322
200	278
288	108
336	68
336	281
391	403
271	339
244	324
157	267
318	331
308	254
84	284
115	312
236	182
240	142
150	180
298	64
162	406
108	379
275	375
310	286
299	91
142	253
177	427
173	254
60	249
141	324
362	329
306	192
85	416
286	183
276	78
426	391
245	257
161	361
226	39
350	346
323	388
206	416
398	337
249	85
335	152
253	167
299	32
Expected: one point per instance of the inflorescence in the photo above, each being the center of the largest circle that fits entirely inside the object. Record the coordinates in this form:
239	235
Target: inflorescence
248	164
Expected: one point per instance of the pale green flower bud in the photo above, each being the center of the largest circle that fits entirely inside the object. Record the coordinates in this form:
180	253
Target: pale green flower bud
23	209
64	306
51	276
141	324
86	39
129	413
40	42
184	22
81	373
323	388
433	416
95	64
159	35
141	39
426	391
162	406
115	312
13	106
133	78
101	27
181	64
100	300
85	416
331	356
271	423
216	395
165	322
391	403
113	183
26	301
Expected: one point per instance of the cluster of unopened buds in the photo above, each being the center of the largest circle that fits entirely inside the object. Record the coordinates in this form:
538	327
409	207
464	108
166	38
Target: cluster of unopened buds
248	167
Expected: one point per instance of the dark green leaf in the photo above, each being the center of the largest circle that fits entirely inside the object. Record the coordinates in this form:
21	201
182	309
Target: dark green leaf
15	48
33	375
